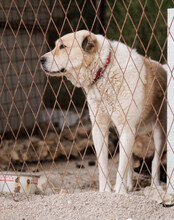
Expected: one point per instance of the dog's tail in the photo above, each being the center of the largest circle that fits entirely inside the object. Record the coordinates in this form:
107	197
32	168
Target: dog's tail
165	67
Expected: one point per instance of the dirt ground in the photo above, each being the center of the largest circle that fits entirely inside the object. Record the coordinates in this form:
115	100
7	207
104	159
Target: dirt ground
70	191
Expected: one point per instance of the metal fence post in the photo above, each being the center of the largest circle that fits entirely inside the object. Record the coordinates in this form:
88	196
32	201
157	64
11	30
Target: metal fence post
170	108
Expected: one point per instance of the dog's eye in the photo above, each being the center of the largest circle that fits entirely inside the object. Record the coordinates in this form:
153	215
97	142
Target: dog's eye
62	46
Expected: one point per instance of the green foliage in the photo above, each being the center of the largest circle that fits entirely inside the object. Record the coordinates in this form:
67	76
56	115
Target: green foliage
141	25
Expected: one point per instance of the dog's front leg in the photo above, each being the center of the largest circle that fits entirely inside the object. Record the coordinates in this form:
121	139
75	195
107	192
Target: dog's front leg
127	137
100	138
130	175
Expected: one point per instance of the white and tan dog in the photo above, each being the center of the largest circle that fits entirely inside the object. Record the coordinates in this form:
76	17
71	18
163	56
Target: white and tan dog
122	87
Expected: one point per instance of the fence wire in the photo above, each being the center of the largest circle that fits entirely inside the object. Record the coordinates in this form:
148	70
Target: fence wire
44	122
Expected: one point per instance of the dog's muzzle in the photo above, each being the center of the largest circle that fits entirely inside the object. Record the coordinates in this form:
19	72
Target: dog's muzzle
43	61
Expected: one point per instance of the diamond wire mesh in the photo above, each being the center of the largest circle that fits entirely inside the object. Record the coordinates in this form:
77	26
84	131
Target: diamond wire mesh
30	101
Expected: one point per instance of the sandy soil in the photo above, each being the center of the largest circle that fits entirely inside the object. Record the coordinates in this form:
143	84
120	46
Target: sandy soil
85	205
70	192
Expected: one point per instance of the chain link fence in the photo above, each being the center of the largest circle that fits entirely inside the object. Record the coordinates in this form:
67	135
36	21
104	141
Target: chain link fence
45	129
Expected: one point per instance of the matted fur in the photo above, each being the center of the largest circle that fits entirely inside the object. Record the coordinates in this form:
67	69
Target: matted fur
130	94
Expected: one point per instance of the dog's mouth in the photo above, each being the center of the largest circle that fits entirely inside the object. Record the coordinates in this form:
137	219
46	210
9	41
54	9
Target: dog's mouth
51	73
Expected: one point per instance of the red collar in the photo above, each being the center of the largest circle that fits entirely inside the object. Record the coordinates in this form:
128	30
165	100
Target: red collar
101	70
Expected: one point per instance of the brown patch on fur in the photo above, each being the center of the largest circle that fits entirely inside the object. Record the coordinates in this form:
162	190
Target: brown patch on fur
155	91
90	44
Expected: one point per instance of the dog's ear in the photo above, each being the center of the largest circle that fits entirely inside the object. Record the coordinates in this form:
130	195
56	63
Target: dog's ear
88	44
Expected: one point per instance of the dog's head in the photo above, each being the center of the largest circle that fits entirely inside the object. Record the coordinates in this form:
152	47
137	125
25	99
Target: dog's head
72	55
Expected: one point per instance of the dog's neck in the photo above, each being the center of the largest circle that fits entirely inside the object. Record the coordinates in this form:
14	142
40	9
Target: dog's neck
102	69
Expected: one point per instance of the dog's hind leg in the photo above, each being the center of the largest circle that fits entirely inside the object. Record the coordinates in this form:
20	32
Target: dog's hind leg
158	141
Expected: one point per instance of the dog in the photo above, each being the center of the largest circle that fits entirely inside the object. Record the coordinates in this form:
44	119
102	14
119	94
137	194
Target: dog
122	88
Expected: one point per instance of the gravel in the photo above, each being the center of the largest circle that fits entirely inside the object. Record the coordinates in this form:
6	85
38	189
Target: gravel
85	205
72	193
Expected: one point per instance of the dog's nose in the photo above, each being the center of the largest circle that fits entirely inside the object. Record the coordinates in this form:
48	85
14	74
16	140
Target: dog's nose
42	60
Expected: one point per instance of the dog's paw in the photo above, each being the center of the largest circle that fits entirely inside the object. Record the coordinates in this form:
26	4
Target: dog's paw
157	186
120	189
106	188
130	188
129	185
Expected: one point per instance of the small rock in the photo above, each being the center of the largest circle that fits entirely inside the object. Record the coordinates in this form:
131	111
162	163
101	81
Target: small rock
91	163
63	191
79	166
